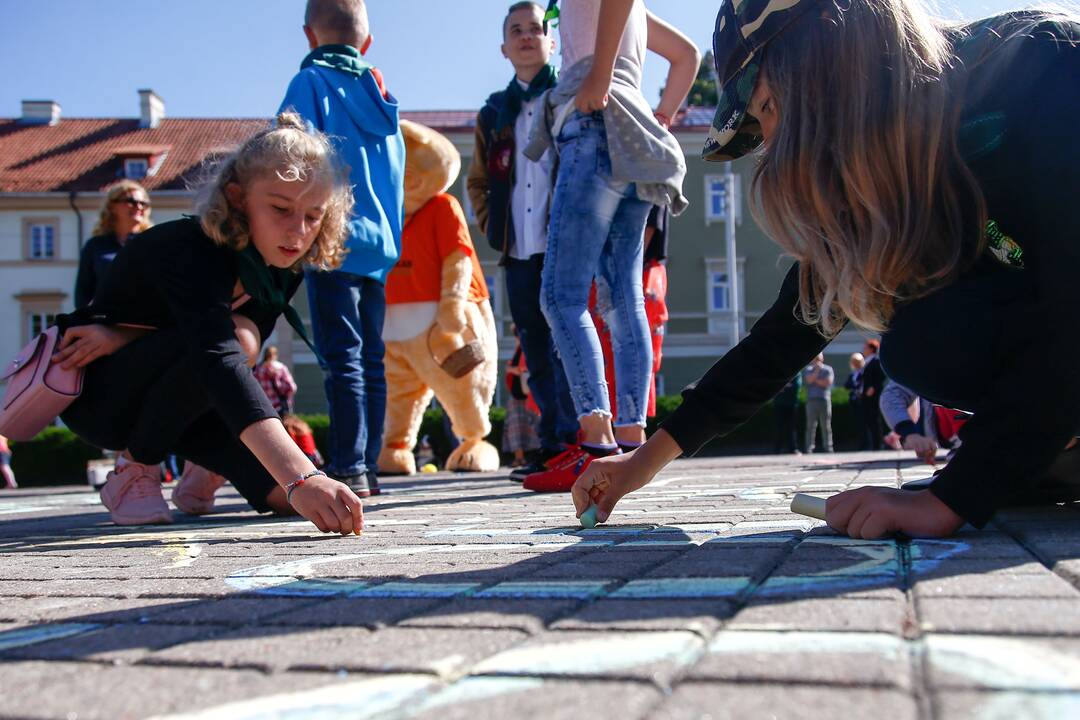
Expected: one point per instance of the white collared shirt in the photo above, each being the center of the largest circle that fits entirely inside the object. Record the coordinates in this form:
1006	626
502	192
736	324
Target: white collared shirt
532	188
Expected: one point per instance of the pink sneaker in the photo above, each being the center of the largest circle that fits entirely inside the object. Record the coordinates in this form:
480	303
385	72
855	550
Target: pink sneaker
132	493
194	491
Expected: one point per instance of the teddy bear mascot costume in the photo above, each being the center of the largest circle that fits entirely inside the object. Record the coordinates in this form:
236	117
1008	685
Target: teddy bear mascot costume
439	330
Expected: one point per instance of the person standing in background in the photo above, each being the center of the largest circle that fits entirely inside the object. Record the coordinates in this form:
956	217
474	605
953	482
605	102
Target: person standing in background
819	379
125	212
785	412
871	384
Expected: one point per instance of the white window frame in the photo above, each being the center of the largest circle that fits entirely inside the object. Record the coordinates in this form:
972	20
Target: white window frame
712	180
46	226
37	310
466	203
130	165
719	318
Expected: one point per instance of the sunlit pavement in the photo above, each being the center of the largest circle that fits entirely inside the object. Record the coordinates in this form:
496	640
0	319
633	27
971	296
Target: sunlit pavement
468	597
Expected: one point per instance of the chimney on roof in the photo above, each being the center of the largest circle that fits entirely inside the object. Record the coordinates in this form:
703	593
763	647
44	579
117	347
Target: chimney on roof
40	112
151	109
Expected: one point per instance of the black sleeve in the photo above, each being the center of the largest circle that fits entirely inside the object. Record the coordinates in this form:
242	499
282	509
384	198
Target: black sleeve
196	279
778	347
873	377
85	281
1016	434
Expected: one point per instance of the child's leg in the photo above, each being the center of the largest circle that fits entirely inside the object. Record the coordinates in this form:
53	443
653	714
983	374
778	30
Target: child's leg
584	204
334	299
622	304
210	444
372	315
9	475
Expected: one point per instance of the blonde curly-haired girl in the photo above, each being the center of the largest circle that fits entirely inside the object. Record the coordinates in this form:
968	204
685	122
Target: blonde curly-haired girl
212	287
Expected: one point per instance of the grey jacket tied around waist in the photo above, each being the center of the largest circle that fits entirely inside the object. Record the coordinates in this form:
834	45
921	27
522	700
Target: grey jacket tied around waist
642	151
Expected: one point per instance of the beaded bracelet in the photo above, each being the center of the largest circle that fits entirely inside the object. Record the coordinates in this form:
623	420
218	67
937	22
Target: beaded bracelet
298	482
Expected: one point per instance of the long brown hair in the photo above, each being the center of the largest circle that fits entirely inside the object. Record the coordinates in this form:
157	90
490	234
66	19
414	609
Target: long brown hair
863	182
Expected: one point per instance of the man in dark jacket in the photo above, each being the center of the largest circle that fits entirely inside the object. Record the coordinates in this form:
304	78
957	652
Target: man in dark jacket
872	381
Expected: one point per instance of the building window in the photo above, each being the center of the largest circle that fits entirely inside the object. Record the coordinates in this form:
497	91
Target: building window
466	203
136	168
38	322
41	238
38	310
716	199
718	294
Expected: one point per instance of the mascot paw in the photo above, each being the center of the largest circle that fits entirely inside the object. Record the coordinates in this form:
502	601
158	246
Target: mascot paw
396	462
451	315
473	456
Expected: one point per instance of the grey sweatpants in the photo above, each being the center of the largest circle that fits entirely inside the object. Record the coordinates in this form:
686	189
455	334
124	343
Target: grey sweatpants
819	411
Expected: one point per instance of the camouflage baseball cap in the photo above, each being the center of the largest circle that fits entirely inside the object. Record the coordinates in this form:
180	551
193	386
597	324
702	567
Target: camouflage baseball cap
743	28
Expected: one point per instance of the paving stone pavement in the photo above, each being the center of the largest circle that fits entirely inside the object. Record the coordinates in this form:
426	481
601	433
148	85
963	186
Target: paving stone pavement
467	597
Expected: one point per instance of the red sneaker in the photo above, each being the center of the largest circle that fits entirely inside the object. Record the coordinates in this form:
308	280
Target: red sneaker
562	476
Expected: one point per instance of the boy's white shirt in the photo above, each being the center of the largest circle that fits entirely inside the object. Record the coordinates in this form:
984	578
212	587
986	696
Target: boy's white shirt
578	21
531	192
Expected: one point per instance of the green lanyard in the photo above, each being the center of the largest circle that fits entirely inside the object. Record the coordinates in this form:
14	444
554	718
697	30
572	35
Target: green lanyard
1006	250
552	13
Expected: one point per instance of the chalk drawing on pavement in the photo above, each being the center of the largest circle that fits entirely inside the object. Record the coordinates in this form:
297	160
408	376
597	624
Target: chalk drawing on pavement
20	637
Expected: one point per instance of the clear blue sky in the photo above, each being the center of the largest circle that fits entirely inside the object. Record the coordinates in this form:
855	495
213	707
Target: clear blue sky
233	58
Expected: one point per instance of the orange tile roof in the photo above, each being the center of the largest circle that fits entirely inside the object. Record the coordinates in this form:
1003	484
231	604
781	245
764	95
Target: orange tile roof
80	154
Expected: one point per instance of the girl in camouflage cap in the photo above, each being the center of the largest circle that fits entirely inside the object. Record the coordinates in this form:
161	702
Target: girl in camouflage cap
922	175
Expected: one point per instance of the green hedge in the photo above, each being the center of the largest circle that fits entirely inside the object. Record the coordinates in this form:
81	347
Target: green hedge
57	456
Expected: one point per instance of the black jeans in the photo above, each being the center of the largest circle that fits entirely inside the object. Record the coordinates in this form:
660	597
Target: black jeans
785	439
547	380
147	399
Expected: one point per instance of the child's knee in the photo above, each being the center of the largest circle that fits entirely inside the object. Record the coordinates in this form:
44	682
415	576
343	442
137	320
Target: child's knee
247	334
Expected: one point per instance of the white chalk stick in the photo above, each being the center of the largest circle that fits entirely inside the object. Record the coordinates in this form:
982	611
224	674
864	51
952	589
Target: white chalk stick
808	505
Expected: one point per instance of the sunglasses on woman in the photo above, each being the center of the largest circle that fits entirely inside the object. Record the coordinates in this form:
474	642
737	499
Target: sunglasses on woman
135	203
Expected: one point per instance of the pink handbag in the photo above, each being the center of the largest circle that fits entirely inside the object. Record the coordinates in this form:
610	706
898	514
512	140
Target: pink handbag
37	390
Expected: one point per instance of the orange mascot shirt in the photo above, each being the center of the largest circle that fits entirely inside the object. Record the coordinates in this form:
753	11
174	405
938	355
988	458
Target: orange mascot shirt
430	235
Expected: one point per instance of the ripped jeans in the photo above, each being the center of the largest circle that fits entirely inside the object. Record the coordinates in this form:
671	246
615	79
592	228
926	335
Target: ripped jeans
597	231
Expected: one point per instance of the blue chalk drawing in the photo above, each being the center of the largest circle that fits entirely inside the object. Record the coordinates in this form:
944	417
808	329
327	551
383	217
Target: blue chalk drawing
20	637
877	565
579	589
415	590
670	588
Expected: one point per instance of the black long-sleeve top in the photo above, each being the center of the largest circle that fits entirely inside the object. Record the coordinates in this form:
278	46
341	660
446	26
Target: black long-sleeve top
174	276
95	259
1019	134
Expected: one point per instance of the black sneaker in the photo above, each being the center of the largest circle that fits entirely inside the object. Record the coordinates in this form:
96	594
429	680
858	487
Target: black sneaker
373	483
357	483
519	474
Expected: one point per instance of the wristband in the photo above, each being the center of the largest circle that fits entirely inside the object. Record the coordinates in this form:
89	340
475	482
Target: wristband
298	482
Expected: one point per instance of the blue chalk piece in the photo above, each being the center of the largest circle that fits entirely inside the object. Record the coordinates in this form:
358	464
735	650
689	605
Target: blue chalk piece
588	518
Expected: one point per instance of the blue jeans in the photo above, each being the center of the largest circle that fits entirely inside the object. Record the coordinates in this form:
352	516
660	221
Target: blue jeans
597	231
547	380
347	313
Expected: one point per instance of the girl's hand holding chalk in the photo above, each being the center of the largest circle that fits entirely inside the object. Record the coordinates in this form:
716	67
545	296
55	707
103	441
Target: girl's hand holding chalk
588	518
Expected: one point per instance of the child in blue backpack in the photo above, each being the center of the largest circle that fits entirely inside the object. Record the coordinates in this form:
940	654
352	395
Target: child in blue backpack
343	95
